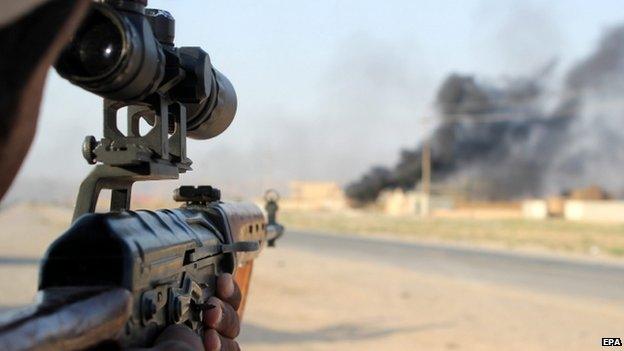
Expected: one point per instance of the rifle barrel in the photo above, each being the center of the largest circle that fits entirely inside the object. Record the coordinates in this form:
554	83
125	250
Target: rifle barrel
66	319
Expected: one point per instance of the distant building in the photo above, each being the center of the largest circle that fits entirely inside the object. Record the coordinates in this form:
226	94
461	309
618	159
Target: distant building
535	209
543	208
584	204
593	192
397	202
315	195
595	210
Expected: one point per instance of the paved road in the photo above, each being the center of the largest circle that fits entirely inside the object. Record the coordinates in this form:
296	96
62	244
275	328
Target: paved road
604	281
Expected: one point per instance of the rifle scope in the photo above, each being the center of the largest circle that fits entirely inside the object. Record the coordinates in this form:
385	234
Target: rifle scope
125	52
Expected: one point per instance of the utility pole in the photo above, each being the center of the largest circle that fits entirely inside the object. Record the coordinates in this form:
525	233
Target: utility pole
426	179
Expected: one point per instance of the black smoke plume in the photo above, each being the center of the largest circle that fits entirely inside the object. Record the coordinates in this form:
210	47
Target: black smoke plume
519	137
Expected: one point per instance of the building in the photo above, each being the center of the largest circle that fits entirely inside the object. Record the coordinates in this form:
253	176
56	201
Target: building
591	204
594	210
315	195
397	202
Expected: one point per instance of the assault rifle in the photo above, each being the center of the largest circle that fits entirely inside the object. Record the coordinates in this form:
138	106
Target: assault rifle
119	278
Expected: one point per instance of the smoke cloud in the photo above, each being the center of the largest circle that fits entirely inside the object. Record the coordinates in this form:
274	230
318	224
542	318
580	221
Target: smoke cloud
519	137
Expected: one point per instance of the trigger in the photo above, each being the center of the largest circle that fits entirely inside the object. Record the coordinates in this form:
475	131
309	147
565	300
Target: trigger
241	246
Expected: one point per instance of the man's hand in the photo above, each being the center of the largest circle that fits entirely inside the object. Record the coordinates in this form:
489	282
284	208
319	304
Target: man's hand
221	323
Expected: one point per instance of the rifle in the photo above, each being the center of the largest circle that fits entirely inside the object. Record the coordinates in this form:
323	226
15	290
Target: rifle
117	279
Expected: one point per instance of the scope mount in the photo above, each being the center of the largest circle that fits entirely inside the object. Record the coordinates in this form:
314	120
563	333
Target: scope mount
125	159
174	90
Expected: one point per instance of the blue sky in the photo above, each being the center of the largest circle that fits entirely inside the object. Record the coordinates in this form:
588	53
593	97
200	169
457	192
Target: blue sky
328	88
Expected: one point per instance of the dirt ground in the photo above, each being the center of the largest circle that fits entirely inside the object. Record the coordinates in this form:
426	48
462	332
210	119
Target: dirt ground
306	301
301	301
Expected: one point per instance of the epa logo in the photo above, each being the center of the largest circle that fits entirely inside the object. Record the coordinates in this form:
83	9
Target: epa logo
611	342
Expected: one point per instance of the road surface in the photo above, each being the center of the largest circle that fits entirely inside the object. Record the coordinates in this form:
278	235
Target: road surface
539	273
342	292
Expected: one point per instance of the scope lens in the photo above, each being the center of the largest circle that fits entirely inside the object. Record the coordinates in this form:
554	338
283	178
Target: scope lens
99	48
114	54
